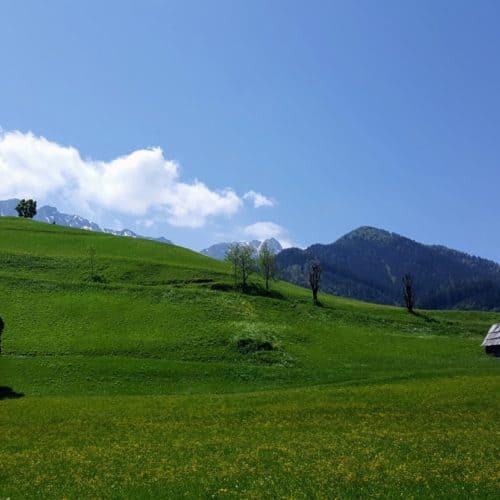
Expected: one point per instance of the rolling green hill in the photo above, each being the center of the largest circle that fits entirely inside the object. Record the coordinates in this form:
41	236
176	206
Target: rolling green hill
152	380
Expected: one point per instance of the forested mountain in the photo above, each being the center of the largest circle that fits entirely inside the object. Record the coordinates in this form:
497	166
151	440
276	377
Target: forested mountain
368	264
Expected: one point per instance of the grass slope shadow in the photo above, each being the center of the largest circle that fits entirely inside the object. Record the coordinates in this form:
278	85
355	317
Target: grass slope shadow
9	393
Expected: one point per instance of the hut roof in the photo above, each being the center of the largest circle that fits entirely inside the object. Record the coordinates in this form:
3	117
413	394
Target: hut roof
493	336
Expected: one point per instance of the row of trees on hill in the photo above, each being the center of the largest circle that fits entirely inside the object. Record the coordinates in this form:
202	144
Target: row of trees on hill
245	260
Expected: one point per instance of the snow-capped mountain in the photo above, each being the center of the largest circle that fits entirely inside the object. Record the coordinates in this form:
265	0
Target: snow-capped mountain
51	215
219	250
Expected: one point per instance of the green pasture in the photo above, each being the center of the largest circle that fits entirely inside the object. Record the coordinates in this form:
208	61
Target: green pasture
137	385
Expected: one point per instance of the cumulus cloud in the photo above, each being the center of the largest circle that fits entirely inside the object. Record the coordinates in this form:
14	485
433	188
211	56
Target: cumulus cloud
265	230
138	184
258	199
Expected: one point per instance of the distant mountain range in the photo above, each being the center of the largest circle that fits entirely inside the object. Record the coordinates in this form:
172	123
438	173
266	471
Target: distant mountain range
368	264
51	215
219	250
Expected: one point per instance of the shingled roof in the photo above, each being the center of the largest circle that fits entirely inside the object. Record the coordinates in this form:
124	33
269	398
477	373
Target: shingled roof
493	337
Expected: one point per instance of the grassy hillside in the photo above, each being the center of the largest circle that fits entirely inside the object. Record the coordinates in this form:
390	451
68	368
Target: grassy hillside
148	383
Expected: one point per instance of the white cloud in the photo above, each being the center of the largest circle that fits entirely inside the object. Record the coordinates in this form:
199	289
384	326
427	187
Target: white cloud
145	222
265	230
142	182
258	199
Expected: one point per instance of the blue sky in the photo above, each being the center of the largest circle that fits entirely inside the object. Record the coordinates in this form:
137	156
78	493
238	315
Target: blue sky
342	114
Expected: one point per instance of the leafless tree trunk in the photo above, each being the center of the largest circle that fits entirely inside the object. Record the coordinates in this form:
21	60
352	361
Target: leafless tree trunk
408	292
314	279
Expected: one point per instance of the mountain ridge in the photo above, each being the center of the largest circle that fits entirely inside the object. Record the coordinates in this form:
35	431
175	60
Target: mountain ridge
368	263
219	250
51	215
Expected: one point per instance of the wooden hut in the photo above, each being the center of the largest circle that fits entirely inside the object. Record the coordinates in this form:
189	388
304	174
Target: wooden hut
491	342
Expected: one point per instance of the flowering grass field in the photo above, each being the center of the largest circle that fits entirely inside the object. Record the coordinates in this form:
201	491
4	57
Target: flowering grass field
134	386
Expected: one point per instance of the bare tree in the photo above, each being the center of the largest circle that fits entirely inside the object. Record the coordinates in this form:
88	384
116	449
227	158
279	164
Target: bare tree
267	263
314	279
408	292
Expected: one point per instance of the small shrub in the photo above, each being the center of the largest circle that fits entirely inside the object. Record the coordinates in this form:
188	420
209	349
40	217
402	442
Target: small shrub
223	287
248	345
251	340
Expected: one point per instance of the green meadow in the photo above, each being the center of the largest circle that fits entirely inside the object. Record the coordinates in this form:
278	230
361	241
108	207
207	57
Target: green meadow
149	382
